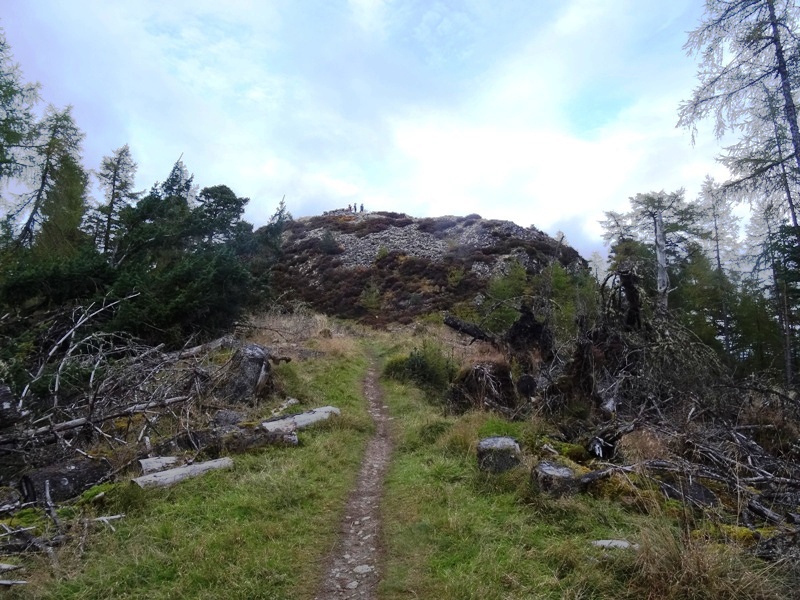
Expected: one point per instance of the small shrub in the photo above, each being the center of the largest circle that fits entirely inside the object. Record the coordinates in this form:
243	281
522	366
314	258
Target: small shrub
427	366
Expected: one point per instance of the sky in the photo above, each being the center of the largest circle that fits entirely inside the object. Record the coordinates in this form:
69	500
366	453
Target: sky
542	112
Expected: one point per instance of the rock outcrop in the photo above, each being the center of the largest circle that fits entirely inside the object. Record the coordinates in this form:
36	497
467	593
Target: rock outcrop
359	264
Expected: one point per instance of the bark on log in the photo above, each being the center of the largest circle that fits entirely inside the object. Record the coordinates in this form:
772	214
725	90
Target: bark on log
288	424
213	442
173	476
5	568
67	480
156	463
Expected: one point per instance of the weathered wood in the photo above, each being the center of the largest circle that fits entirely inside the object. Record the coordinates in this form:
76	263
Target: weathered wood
173	476
5	568
67	480
156	463
472	330
287	424
213	442
9	582
10	413
76	423
554	479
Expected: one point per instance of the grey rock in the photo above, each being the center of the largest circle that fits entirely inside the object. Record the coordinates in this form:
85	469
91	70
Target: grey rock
618	544
498	454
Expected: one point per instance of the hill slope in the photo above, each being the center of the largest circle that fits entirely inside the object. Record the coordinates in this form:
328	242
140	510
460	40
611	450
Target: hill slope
394	267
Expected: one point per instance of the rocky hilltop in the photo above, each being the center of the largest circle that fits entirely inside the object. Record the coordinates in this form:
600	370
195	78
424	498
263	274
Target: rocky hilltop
390	265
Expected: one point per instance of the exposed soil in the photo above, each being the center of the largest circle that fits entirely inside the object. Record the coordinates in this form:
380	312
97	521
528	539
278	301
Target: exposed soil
353	568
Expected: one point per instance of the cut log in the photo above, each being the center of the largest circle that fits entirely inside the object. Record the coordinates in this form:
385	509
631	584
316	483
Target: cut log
67	480
498	454
287	424
9	583
173	476
156	463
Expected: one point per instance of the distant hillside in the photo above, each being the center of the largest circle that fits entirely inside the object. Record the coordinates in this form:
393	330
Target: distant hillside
390	266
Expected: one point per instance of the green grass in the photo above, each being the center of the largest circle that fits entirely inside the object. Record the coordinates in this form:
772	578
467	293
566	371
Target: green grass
260	530
453	532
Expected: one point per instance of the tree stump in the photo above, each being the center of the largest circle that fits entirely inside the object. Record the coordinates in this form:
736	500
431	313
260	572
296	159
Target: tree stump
67	480
498	454
554	479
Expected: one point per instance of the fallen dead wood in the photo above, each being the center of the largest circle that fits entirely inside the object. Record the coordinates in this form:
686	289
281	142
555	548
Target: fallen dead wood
76	423
173	476
10	582
5	568
287	424
213	442
156	463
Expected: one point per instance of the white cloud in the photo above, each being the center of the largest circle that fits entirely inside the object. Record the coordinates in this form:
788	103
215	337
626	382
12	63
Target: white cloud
537	112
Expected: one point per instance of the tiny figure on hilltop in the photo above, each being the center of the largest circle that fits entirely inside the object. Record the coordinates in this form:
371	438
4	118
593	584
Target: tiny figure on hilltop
349	208
362	207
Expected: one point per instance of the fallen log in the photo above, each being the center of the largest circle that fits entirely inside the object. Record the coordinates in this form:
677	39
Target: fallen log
9	582
156	463
5	568
213	442
288	424
173	476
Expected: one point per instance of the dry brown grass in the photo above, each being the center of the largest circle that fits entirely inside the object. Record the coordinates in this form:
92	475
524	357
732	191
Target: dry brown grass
643	444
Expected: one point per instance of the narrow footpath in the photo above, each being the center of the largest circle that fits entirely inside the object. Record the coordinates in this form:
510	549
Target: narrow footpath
353	568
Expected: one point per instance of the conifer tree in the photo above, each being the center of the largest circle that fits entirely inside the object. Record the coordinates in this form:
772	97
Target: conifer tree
116	178
59	138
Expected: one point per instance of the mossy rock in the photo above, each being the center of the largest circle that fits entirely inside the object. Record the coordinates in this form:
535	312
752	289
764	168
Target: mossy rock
574	452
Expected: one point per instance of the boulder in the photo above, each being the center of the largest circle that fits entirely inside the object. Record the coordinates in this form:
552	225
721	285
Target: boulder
498	454
554	479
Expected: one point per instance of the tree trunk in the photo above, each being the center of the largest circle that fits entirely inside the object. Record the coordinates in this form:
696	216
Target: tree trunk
789	108
662	281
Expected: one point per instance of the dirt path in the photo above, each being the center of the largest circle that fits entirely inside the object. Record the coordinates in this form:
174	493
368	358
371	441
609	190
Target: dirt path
353	568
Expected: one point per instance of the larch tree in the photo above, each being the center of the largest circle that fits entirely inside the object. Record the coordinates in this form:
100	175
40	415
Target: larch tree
748	82
116	178
63	209
58	137
665	221
17	100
